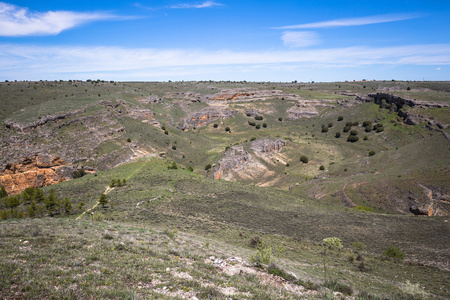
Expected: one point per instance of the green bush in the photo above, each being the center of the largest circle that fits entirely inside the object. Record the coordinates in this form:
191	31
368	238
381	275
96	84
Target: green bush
340	118
324	129
190	169
371	153
103	200
346	129
97	216
174	147
227	128
280	119
216	125
365	138
330	125
304	159
358	246
128	140
258	126
394	252
78	173
264	125
263	255
352	138
322	168
3	193
251	123
353	132
356	123
333	242
207	167
258	118
338	135
349	124
366	123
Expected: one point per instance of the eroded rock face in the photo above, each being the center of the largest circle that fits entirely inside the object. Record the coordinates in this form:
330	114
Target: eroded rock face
308	108
33	171
268	145
205	116
235	158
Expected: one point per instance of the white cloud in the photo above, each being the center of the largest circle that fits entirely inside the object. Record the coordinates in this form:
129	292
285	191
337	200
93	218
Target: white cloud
297	39
353	21
19	21
23	62
438	69
205	4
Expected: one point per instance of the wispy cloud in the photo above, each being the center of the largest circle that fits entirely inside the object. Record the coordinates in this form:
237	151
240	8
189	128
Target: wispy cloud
19	21
353	21
205	4
298	39
50	61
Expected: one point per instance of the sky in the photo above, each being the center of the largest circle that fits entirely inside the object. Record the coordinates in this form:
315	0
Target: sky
151	40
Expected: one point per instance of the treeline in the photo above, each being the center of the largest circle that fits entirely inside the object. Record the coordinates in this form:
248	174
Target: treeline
32	202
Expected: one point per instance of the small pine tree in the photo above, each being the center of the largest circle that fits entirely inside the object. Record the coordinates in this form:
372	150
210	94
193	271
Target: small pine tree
3	193
67	205
124	181
51	202
113	183
118	182
304	159
103	200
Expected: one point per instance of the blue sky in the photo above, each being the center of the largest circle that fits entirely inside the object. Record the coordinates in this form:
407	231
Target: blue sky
225	40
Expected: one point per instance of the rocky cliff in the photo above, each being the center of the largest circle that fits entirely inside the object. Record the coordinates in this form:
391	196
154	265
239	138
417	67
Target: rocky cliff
235	158
33	171
268	145
205	116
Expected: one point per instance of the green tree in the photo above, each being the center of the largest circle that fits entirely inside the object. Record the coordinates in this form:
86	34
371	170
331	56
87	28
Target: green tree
67	205
38	196
304	159
103	200
3	193
51	202
113	183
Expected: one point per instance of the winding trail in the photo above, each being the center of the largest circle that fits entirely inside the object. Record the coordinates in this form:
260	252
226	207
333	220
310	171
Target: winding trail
108	189
346	199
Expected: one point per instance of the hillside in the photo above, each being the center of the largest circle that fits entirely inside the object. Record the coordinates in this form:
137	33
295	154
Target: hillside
209	166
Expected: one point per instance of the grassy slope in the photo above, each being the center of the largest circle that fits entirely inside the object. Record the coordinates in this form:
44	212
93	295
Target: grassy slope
230	213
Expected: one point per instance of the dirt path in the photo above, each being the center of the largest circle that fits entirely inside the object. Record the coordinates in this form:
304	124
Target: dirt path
106	192
346	199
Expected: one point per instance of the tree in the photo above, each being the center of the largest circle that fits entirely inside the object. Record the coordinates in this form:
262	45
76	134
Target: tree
51	202
338	135
103	200
340	118
67	205
324	128
304	159
3	193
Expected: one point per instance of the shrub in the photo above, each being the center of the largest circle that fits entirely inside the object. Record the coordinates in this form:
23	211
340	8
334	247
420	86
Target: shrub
227	128
371	153
216	125
264	125
353	132
255	241
207	167
280	119
358	246
346	129
173	166
258	126
349	124
330	125
190	169
352	138
252	139
304	159
356	123
368	129
171	233
174	147
338	135
103	200
277	271
380	129
251	123
78	173
322	168
128	140
324	129
333	242
340	118
97	216
3	193
366	123
413	291
263	255
394	252
258	118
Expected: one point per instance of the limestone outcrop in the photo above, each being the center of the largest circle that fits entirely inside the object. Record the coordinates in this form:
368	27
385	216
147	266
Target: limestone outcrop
205	116
308	108
268	145
235	158
33	171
